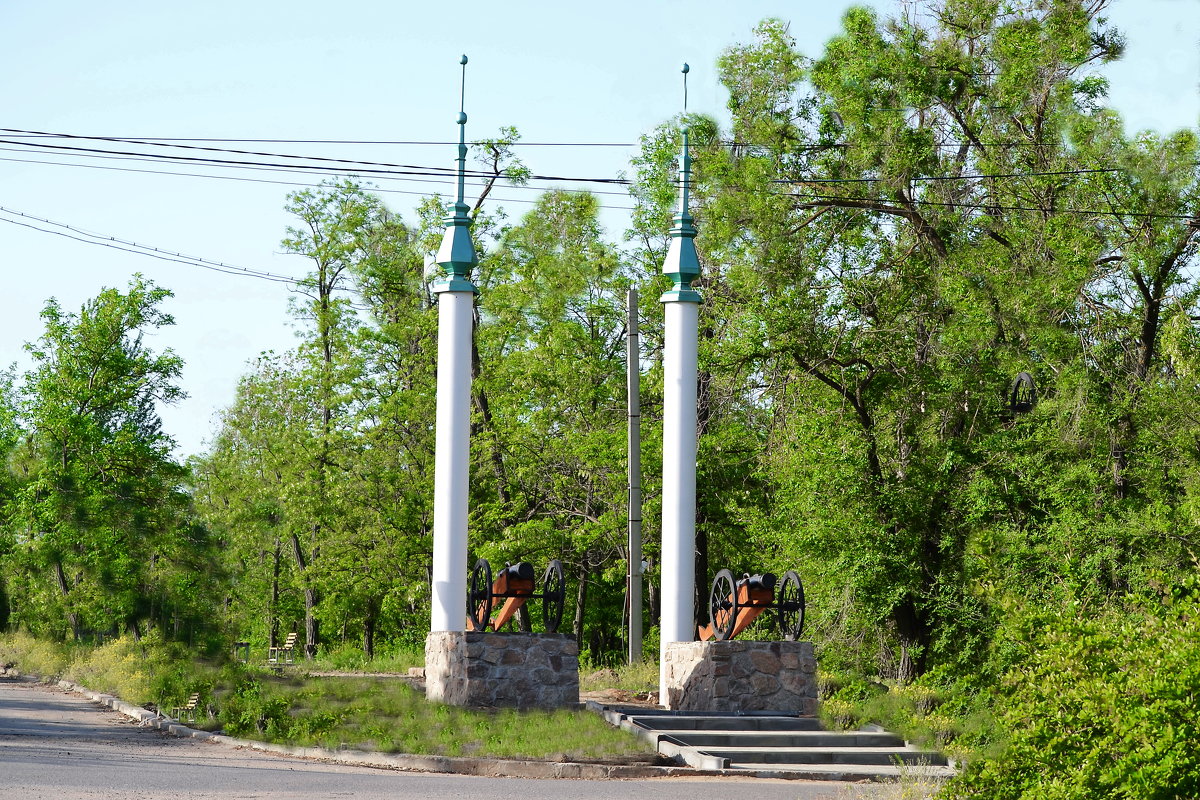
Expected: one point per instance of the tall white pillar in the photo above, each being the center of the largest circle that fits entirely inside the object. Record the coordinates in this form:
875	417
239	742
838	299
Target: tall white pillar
676	621
682	307
451	472
453	437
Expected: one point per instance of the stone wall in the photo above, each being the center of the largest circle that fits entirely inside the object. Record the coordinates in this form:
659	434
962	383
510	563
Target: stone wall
741	676
510	670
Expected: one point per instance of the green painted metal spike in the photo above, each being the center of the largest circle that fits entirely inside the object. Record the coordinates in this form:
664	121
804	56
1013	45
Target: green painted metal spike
457	255
682	265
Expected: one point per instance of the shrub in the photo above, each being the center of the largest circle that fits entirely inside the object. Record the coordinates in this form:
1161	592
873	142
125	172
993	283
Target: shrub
34	656
1103	705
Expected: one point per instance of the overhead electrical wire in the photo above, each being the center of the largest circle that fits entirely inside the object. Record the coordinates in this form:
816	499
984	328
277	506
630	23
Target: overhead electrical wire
983	206
443	175
87	237
400	170
287	169
21	133
409	171
298	184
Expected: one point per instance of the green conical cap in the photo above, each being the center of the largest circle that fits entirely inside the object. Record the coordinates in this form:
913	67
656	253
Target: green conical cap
682	265
457	255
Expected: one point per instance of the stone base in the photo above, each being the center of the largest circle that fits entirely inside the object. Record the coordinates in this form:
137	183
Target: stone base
741	676
510	670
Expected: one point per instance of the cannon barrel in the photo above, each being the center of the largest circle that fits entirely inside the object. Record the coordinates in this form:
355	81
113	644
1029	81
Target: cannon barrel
766	581
522	570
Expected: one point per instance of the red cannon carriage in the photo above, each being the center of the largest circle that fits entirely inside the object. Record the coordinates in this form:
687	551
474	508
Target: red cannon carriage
512	588
734	605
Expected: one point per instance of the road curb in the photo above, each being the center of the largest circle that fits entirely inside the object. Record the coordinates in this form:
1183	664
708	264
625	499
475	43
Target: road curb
488	767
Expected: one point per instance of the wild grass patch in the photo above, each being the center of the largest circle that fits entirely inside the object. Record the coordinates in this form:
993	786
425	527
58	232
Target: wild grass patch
387	715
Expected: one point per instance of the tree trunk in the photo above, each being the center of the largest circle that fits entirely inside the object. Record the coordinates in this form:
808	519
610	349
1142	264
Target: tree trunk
273	605
369	623
72	617
480	400
653	601
311	628
523	621
581	601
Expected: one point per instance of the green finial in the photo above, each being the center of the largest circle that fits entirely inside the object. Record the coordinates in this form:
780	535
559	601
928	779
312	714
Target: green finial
681	264
686	69
457	256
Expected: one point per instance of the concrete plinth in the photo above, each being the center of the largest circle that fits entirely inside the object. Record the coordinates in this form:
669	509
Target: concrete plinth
510	670
740	676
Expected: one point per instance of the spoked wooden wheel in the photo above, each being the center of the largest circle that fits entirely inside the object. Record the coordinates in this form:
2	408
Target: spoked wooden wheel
479	595
553	596
790	606
723	605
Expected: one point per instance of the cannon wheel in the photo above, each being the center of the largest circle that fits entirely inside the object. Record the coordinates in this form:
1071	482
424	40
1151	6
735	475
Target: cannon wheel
790	606
479	595
723	605
554	593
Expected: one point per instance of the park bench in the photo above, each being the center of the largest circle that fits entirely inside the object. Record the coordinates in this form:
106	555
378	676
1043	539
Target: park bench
286	652
187	710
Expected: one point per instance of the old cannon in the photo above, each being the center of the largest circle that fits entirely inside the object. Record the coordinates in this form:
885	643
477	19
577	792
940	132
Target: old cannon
512	588
734	605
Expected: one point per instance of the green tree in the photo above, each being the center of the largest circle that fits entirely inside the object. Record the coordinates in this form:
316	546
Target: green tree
100	516
900	237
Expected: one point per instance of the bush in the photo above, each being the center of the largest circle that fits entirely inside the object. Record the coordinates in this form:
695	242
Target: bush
1103	705
34	656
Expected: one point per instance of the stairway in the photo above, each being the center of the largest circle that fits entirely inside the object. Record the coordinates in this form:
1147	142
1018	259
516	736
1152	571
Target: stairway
775	745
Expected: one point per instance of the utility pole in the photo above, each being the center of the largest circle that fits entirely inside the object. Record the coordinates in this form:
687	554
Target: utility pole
633	376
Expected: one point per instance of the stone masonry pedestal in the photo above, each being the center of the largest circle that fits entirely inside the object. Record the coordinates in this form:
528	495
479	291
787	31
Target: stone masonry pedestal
735	676
509	670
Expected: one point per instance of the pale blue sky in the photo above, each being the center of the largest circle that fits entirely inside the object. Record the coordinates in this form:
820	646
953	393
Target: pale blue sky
367	70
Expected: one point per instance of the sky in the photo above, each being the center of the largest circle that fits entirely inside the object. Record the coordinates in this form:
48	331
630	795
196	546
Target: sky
363	70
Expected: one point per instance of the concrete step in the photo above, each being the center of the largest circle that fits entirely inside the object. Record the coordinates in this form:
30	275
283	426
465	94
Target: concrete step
766	739
824	755
840	772
723	722
764	744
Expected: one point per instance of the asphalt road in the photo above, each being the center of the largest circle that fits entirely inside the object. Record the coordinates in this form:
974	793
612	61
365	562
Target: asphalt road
55	744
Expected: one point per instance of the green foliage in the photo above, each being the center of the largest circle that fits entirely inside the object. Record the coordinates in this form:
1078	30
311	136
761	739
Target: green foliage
99	534
388	716
1100	704
890	231
149	671
33	656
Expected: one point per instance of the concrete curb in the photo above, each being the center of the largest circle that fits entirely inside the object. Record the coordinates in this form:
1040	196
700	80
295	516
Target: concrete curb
506	768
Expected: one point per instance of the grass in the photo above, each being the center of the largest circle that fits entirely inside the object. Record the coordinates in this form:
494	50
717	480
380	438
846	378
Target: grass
375	714
637	678
387	715
349	658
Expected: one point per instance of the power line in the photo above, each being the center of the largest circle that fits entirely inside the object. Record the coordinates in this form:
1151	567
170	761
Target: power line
87	237
236	178
439	172
287	169
408	170
955	177
401	169
986	206
19	133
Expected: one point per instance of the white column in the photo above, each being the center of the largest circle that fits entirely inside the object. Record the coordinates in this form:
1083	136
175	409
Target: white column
453	437
676	622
